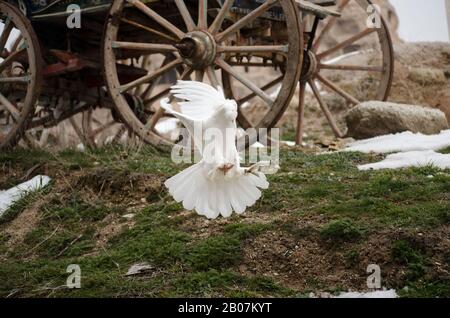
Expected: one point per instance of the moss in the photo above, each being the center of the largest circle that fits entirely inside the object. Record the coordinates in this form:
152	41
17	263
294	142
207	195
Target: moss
404	252
74	209
217	252
432	289
244	231
407	253
340	230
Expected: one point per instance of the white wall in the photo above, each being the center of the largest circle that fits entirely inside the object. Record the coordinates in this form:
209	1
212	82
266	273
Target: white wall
422	20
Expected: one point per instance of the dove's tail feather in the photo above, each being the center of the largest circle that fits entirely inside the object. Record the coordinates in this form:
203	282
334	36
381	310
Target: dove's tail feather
212	198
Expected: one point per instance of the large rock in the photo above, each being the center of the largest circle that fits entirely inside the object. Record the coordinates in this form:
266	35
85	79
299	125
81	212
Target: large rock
370	119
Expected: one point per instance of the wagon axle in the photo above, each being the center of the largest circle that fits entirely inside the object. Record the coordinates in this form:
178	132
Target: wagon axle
198	49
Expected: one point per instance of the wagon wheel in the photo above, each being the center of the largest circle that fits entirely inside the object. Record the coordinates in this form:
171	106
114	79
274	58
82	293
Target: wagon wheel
365	57
92	128
215	43
20	78
99	128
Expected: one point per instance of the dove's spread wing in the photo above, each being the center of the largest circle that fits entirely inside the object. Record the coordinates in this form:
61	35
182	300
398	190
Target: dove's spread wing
188	122
200	99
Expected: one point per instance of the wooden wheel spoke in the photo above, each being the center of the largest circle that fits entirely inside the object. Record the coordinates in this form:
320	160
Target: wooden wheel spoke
301	114
351	67
212	76
337	89
186	73
199	75
104	127
149	77
148	29
267	86
202	14
11	58
119	134
325	109
250	85
149	89
217	23
15	113
282	49
151	100
14	79
347	42
146	47
79	131
246	19
190	25
155	16
7	28
331	21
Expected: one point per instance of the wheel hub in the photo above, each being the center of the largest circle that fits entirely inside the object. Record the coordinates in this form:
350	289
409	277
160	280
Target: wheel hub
309	67
198	49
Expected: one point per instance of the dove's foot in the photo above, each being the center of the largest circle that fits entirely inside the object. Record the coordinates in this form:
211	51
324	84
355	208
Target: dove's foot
221	171
266	167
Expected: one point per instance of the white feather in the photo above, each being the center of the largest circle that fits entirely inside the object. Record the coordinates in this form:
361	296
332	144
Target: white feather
204	186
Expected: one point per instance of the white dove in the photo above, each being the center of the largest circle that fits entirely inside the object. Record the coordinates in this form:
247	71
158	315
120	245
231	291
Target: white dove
217	185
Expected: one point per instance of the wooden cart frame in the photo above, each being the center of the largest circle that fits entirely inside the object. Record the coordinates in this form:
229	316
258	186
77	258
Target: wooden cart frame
128	53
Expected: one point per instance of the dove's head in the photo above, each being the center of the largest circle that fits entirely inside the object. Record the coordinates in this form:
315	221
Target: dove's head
230	109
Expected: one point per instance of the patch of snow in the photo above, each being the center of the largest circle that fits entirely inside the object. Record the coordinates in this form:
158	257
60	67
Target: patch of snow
9	197
391	293
402	142
410	159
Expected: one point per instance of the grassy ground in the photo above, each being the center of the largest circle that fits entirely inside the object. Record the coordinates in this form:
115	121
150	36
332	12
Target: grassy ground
317	228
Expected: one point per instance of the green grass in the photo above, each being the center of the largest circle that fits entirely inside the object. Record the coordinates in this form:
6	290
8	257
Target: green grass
314	200
340	230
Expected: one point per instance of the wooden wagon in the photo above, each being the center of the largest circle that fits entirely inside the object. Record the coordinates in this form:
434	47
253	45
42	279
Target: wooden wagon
126	54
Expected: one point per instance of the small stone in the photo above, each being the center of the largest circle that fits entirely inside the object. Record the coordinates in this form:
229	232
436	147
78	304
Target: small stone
128	216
